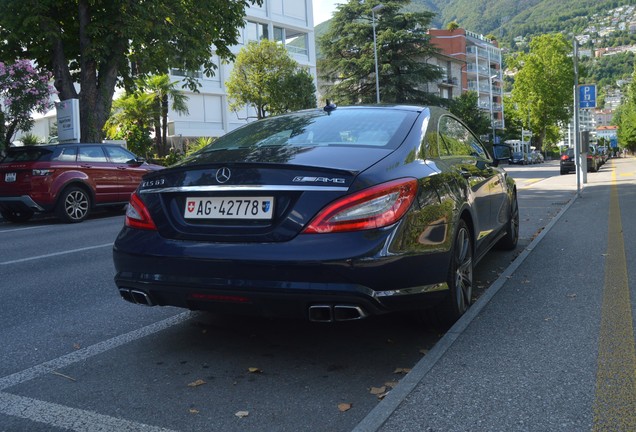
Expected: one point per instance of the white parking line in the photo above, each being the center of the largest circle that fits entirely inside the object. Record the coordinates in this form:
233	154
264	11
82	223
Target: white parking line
23	229
73	418
61	416
55	254
90	351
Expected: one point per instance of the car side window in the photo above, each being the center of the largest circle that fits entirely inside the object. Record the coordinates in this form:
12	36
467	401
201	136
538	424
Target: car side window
119	155
65	154
92	154
458	140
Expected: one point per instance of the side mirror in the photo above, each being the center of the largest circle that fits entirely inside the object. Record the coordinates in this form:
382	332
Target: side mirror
136	162
501	152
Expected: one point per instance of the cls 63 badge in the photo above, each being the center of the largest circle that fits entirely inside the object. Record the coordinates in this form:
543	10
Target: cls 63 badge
153	183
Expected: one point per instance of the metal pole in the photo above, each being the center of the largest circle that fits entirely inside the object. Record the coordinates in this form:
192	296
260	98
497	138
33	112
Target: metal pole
577	147
375	52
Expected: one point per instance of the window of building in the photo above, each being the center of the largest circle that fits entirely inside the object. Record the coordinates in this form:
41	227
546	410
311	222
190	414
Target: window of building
183	73
294	41
256	31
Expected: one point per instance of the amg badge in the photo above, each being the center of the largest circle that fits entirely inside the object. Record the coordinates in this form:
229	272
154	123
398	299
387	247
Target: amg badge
319	180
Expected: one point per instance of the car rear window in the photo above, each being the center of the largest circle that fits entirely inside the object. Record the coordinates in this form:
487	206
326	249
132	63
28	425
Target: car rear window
354	127
27	155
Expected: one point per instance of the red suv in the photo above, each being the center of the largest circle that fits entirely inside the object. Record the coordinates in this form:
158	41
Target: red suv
68	179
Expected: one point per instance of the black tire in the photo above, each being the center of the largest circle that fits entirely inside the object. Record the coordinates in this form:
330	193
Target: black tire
74	205
563	172
510	240
16	216
460	275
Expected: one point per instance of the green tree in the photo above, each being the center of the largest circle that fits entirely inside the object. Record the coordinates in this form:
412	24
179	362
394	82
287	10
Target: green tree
543	84
267	78
22	91
453	25
466	107
162	92
403	46
132	119
625	117
98	44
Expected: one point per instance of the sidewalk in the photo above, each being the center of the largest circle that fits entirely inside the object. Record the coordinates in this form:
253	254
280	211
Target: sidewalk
549	346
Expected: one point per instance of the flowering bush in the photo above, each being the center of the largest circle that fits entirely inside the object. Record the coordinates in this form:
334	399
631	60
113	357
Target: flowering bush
22	90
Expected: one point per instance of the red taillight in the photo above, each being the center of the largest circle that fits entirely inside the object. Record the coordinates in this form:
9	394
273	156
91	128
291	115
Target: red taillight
375	207
137	215
565	157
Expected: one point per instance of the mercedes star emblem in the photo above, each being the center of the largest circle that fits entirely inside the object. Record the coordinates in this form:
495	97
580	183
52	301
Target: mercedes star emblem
223	174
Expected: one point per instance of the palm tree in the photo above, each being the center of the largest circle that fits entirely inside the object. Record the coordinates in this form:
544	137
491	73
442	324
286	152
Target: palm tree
163	91
132	117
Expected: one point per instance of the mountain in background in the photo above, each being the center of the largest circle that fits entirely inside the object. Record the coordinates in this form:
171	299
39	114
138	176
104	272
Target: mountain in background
507	19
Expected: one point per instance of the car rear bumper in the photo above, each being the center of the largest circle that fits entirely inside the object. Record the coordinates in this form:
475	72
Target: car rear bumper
295	285
20	203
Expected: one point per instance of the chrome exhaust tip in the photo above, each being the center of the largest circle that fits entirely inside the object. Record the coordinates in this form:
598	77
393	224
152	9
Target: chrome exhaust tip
329	313
320	313
348	313
135	296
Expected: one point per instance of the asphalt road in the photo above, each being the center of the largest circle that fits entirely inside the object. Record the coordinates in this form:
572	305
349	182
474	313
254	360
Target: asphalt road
77	357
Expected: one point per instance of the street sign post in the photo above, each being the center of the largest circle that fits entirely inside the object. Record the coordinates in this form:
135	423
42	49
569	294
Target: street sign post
587	96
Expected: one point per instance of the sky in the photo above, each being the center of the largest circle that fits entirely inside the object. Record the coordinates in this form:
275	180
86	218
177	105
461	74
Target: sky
323	9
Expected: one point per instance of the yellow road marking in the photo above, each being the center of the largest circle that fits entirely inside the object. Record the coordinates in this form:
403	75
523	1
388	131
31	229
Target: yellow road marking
530	182
615	398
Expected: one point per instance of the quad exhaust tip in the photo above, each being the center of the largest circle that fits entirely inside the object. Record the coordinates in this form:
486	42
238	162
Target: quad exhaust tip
136	296
333	313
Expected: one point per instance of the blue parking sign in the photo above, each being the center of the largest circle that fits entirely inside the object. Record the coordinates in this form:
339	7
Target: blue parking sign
587	96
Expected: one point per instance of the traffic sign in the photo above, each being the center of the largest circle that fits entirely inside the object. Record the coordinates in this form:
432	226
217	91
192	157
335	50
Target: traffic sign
587	96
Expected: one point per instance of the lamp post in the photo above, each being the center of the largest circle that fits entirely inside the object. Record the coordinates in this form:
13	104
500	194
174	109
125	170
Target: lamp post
492	113
375	9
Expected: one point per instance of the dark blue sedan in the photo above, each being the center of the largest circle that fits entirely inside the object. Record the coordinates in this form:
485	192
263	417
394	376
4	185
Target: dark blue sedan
330	215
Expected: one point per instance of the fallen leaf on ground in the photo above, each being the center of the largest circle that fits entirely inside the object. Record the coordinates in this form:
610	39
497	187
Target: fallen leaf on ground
377	390
196	383
424	351
391	384
194	411
344	407
572	295
402	370
241	414
63	376
254	370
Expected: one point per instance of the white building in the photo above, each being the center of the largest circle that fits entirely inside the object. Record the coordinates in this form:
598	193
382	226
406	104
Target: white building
288	21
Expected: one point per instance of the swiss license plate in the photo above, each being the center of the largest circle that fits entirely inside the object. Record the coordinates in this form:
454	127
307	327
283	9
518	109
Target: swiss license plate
229	208
9	177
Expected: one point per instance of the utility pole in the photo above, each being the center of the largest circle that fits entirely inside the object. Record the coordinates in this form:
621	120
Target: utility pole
577	138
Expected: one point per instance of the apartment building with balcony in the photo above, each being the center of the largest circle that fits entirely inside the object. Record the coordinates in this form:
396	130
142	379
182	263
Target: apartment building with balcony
482	70
289	22
449	85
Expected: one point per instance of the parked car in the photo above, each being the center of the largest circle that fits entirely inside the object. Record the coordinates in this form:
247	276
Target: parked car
67	179
536	157
597	155
519	158
328	215
568	161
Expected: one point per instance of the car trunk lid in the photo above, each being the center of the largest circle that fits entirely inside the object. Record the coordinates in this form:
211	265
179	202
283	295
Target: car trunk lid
261	195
